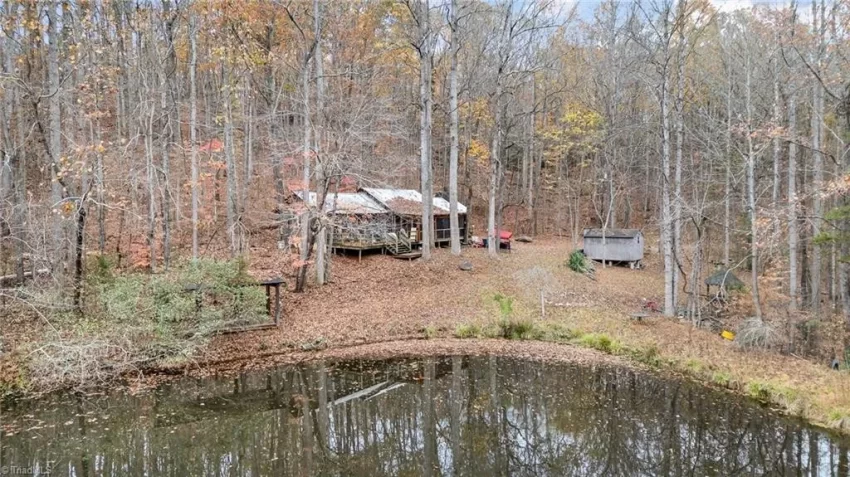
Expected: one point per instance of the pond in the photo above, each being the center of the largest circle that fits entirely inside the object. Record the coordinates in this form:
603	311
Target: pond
470	416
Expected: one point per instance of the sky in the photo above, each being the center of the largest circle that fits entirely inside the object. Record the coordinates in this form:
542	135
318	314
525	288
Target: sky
586	8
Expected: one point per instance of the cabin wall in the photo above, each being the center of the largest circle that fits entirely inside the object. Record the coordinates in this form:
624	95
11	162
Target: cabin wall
615	249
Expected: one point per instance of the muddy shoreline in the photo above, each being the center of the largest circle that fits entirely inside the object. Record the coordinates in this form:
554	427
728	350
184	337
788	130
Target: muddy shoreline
395	347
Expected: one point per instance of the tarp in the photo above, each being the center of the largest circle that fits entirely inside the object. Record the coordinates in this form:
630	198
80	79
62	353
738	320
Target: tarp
505	235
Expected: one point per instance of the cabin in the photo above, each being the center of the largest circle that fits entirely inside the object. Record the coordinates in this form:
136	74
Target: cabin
360	223
384	219
620	245
406	207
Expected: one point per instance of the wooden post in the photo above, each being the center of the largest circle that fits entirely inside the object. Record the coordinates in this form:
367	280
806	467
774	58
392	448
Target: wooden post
277	304
276	283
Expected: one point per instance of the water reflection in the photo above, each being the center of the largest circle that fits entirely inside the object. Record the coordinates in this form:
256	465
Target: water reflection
451	416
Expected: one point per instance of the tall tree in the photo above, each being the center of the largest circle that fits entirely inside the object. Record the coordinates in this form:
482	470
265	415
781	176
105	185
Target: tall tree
454	125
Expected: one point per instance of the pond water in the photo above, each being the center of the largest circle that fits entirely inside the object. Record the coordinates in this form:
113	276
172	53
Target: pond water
471	416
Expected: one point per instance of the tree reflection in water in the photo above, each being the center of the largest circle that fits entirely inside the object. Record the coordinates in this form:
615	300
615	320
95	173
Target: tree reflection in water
451	416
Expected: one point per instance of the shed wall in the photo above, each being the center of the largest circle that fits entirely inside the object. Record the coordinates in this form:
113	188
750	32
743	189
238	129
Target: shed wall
615	249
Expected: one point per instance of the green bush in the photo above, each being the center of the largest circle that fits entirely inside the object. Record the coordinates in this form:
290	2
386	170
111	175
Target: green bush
600	342
137	319
194	297
578	262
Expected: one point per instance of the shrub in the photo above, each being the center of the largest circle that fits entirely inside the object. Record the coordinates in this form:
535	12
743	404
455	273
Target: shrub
514	329
137	319
578	262
430	332
756	333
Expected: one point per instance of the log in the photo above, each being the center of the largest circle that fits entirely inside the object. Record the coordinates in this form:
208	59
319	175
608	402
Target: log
7	280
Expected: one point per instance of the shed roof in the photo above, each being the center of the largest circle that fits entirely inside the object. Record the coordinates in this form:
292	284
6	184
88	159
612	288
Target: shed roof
409	201
348	203
612	233
731	281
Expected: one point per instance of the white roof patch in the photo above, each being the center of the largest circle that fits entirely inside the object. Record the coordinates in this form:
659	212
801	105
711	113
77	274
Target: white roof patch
386	196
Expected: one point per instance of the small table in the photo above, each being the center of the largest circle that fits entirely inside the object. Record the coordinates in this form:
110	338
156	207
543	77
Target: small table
276	283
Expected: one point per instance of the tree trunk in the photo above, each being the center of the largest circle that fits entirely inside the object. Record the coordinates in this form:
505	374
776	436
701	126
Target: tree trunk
454	146
425	104
727	198
305	178
666	209
680	140
817	169
751	198
321	186
492	233
151	177
777	143
193	128
232	195
792	205
55	134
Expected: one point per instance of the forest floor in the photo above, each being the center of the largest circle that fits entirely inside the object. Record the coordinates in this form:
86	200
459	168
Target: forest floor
378	306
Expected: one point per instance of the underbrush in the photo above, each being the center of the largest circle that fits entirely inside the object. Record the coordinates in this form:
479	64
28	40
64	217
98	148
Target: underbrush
134	320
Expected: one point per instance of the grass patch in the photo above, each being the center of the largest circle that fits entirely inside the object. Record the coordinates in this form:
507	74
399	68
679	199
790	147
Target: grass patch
694	366
839	418
760	391
721	378
648	355
600	342
467	330
556	332
506	305
430	332
517	329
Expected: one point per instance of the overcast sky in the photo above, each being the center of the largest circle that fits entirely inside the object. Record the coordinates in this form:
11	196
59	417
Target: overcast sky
587	7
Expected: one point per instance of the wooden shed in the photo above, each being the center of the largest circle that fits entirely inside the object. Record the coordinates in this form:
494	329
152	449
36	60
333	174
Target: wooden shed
620	245
724	280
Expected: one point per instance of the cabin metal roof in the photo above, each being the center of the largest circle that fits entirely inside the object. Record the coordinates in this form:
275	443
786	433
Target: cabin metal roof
612	233
409	201
347	203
